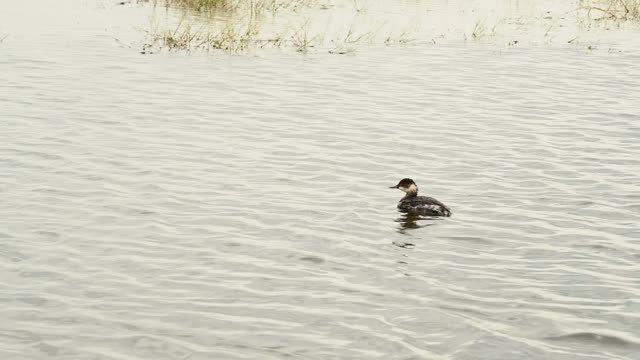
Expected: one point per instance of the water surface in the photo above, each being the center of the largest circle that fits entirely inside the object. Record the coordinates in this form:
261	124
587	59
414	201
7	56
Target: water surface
236	207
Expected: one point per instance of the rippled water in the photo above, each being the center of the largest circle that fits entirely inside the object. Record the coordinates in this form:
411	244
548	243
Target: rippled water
236	207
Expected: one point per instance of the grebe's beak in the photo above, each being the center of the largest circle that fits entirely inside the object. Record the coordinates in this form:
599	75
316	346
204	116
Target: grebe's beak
393	187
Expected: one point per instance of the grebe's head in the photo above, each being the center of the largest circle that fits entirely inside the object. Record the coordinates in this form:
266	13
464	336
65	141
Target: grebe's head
407	185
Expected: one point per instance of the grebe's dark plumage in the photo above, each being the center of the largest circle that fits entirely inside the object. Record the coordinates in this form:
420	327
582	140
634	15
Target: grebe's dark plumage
423	205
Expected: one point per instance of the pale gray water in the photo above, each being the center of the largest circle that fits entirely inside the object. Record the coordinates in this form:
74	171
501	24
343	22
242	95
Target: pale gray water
236	207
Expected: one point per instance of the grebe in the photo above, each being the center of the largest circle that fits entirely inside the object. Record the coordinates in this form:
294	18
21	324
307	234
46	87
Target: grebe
423	205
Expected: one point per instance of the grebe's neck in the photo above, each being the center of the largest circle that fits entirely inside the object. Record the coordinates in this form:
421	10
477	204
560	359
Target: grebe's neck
411	191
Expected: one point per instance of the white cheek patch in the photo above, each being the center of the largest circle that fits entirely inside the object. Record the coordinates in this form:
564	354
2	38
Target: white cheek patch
412	188
402	188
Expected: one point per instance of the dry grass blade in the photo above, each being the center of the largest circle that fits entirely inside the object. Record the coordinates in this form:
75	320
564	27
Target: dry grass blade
615	9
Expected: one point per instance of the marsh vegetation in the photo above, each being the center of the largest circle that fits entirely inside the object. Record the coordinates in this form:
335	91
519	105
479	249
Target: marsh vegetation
341	27
621	10
237	26
226	5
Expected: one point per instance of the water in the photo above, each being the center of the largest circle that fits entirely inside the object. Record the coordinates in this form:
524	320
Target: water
236	207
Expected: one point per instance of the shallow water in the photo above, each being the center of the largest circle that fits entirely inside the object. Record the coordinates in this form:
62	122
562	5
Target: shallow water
236	207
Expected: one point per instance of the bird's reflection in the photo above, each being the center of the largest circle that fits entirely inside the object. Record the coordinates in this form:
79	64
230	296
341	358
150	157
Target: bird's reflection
409	221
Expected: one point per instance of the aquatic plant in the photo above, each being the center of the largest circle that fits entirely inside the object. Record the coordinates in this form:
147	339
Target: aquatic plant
478	30
198	4
302	41
243	29
613	9
230	25
241	26
254	6
232	37
402	38
481	30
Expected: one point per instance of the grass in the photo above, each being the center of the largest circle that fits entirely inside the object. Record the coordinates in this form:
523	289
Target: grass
301	40
247	25
253	6
199	5
480	30
235	35
241	26
239	38
230	25
231	37
613	9
403	38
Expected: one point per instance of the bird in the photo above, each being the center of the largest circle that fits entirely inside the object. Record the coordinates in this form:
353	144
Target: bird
422	205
